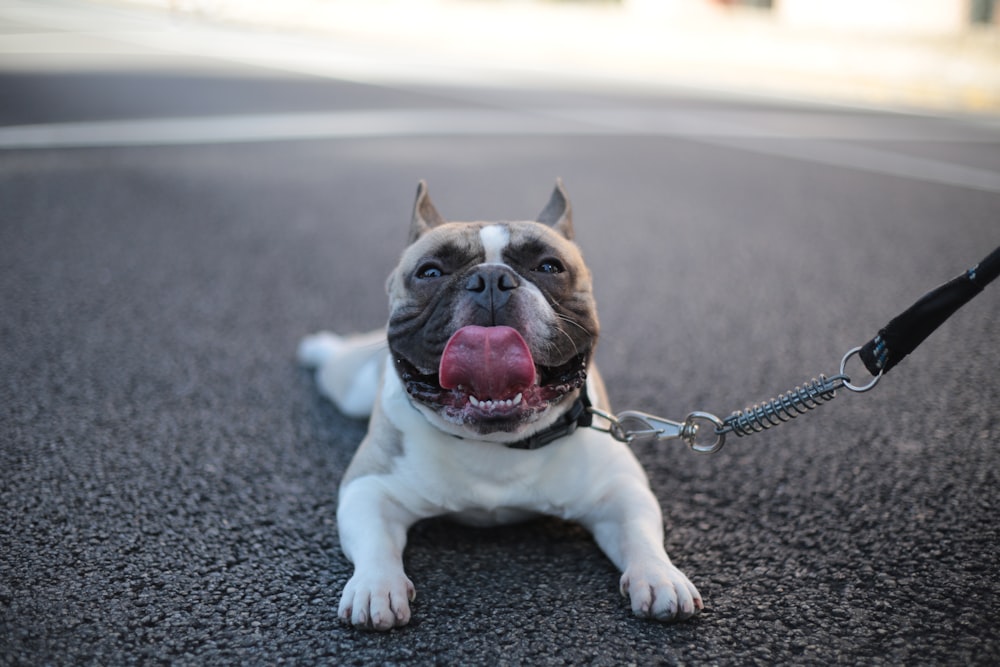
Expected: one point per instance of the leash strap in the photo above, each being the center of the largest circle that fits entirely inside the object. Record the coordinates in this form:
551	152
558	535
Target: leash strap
907	330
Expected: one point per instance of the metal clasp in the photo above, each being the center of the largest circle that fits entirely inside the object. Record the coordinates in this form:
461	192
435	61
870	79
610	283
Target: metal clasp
658	428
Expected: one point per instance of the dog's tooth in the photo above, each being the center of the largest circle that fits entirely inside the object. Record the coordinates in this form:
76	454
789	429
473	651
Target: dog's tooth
492	404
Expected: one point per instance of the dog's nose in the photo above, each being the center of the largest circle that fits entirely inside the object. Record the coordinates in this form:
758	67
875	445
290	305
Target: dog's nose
492	286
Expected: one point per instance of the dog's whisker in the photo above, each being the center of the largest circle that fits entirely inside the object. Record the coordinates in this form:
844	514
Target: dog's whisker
568	320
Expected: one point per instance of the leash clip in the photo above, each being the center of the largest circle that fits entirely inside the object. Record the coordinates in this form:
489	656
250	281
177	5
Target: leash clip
659	428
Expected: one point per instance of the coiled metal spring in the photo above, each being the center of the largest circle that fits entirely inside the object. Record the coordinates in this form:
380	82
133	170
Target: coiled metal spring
742	422
785	407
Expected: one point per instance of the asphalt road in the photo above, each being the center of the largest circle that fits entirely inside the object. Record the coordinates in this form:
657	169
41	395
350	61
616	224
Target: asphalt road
168	475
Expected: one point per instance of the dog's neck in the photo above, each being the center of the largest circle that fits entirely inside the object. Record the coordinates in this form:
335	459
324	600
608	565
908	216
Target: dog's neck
578	415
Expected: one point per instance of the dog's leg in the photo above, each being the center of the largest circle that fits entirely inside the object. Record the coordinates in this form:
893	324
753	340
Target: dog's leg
628	527
373	526
347	368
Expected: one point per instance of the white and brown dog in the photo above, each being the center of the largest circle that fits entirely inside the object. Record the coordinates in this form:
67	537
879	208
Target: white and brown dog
475	391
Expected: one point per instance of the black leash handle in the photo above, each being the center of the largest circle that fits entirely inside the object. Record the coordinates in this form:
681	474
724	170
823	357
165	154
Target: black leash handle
907	330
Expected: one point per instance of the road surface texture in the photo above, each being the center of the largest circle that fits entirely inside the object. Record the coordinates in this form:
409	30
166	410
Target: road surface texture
171	224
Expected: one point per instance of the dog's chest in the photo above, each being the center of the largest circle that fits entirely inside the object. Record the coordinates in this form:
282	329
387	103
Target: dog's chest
434	472
491	484
458	475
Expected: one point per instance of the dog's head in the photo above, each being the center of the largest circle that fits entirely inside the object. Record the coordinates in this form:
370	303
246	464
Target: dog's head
492	325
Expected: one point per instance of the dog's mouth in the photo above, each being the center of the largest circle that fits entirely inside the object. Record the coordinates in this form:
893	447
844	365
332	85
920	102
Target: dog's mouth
488	379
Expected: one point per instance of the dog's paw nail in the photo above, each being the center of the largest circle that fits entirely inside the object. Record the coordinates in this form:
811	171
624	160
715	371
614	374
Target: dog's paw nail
667	614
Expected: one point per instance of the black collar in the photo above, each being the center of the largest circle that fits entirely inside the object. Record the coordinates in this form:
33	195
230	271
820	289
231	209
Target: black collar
578	415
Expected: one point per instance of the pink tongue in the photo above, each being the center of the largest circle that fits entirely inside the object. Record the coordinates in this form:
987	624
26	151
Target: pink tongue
493	362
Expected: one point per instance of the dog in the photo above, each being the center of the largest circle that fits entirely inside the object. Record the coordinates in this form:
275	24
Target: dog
480	391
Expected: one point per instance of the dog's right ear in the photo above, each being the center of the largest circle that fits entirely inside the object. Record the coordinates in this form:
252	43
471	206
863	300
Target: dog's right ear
425	216
558	213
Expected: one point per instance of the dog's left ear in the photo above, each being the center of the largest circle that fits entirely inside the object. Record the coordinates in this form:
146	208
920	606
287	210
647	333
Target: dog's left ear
558	213
425	216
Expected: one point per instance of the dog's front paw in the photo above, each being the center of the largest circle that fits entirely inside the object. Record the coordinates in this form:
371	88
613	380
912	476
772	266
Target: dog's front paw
377	602
660	591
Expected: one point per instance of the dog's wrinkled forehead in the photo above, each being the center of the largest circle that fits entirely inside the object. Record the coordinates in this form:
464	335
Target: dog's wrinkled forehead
456	240
485	242
438	247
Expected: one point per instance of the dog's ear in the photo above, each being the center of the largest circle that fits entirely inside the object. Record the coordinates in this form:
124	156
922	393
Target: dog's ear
425	216
558	213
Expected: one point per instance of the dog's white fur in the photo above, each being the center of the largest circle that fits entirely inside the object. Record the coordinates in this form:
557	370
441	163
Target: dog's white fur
587	477
408	469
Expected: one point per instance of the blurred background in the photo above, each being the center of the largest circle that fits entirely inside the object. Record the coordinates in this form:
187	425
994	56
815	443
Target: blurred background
938	54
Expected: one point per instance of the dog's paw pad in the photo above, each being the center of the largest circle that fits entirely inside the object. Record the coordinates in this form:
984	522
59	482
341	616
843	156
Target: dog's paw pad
661	592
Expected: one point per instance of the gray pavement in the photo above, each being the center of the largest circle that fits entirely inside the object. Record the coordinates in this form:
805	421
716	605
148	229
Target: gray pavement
168	476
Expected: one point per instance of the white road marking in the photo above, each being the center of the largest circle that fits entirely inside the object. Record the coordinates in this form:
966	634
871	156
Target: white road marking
721	129
274	127
872	160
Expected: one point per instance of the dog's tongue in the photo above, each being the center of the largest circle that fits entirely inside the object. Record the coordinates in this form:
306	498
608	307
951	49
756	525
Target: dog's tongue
494	362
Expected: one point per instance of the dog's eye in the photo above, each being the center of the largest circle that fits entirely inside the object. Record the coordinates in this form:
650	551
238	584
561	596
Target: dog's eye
429	270
550	266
